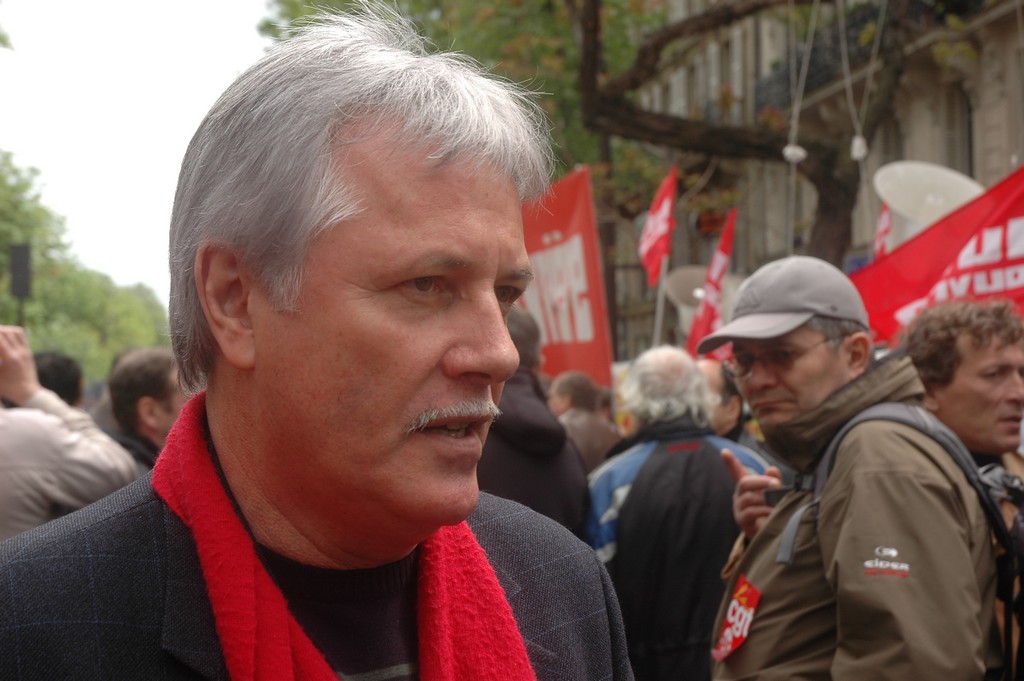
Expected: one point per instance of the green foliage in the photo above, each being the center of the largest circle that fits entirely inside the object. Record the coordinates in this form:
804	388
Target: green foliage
950	52
867	34
951	49
633	178
72	309
955	23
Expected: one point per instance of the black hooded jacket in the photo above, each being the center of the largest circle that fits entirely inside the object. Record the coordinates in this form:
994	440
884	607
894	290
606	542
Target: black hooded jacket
528	456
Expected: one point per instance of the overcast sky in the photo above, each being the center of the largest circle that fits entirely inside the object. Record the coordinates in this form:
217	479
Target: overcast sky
102	98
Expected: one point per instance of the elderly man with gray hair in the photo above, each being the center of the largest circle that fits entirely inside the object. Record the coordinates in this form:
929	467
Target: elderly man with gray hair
345	246
661	518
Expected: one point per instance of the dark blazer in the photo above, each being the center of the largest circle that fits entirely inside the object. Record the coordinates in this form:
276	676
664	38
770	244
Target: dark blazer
115	591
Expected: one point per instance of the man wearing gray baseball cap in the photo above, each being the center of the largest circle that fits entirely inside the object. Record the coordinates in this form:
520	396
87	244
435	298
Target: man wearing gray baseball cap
898	528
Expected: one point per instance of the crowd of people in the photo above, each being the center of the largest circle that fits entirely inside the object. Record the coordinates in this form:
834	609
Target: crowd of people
54	456
374	476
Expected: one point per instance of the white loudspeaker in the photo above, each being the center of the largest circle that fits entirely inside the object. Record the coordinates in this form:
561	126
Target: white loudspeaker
920	193
684	286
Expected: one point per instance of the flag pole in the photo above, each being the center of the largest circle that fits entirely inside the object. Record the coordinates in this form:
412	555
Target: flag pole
659	309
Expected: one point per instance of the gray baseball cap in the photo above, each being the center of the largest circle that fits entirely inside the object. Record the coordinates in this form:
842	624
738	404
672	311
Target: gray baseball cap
784	294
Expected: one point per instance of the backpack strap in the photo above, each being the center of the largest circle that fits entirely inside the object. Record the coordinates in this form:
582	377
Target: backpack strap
787	541
816	482
919	419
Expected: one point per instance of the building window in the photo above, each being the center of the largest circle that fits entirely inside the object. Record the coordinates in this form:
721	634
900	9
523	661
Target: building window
736	74
680	88
957	128
714	75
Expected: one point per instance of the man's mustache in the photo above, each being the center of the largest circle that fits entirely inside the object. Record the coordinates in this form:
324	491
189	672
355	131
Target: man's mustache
473	409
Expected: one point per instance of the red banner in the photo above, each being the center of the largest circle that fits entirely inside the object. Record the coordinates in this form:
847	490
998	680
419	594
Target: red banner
977	251
708	317
567	294
656	237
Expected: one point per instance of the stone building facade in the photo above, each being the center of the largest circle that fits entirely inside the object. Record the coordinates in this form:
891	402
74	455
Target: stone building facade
960	104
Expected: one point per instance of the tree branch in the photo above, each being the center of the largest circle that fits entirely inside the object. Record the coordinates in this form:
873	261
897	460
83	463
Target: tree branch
621	117
648	55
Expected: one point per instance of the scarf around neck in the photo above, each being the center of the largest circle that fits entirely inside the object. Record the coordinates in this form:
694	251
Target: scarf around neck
466	627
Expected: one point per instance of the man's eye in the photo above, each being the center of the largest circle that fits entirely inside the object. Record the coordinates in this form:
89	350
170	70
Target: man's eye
507	294
743	361
423	284
781	356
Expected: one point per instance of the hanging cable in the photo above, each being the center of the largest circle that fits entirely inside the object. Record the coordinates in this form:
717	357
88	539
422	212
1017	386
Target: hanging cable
791	178
875	47
859	145
804	68
701	181
858	118
857	150
869	82
791	45
793	152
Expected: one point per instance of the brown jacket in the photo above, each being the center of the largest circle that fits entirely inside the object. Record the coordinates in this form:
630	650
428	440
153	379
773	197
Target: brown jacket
894	579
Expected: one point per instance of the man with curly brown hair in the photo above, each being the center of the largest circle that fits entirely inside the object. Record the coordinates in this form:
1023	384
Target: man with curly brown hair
970	356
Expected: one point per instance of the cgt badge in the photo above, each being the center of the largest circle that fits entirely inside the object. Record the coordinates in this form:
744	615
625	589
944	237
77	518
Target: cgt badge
737	619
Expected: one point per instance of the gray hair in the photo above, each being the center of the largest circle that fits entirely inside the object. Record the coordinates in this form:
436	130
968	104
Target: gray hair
663	384
834	330
262	175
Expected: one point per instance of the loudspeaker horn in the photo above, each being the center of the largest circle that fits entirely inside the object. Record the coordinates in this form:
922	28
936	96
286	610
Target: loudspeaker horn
919	193
683	283
684	286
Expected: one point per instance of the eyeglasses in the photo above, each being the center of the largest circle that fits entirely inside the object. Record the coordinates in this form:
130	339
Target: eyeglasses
775	359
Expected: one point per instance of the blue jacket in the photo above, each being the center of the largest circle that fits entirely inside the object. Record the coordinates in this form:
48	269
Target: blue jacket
661	520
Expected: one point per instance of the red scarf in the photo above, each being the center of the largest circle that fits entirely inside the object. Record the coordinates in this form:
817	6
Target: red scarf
466	626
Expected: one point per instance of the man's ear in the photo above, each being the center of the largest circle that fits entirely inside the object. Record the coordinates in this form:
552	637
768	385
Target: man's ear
930	403
225	288
146	414
858	349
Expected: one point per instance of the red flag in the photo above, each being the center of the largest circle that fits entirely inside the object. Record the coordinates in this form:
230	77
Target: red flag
977	251
567	294
708	317
882	229
656	237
